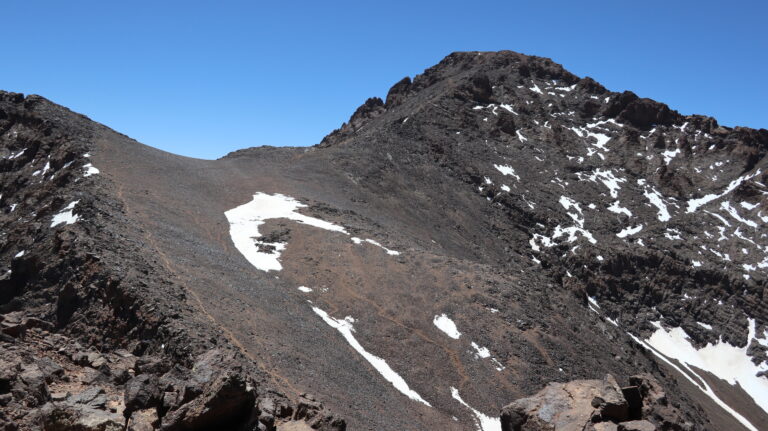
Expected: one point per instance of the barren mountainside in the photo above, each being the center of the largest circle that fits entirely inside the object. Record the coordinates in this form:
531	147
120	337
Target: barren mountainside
499	244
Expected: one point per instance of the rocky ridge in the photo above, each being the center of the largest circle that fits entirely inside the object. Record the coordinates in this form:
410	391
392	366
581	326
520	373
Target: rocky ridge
88	341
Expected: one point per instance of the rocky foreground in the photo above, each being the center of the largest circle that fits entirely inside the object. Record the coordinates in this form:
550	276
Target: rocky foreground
52	382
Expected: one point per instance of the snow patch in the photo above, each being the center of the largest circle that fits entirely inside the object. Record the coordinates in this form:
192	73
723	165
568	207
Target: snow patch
616	208
481	352
482	421
344	326
357	240
89	170
244	222
507	170
65	216
656	200
577	217
13	156
445	324
629	231
669	155
606	177
723	360
694	204
735	214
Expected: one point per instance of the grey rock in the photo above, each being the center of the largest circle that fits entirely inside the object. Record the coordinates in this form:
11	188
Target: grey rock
79	417
141	392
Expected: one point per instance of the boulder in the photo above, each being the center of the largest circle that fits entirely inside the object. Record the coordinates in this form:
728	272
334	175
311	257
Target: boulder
141	392
559	406
611	402
595	405
30	385
229	400
307	408
216	395
143	420
94	397
655	405
78	417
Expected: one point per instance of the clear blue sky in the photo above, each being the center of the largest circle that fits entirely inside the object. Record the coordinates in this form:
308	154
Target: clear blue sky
205	78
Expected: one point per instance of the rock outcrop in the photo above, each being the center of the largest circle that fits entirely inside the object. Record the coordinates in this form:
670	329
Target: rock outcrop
595	405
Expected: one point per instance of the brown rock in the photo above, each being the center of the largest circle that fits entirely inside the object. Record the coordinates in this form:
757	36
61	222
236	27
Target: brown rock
78	417
641	425
614	406
143	420
307	407
566	406
215	397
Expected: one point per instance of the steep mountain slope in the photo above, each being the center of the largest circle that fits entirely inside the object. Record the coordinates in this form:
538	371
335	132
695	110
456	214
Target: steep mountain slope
495	225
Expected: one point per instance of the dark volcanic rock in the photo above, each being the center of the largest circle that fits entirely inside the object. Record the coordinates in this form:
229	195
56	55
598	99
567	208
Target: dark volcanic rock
141	392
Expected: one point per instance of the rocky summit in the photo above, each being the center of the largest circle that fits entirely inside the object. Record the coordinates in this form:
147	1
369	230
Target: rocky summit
499	244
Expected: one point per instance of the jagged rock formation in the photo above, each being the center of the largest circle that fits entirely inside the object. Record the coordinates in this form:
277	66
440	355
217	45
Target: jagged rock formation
493	225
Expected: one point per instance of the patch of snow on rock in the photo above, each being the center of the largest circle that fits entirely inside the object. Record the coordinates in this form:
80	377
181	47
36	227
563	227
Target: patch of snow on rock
344	326
90	170
694	204
357	240
655	198
13	156
482	421
244	222
578	217
445	324
507	170
726	206
618	209
725	361
629	231
65	216
481	352
669	155
607	178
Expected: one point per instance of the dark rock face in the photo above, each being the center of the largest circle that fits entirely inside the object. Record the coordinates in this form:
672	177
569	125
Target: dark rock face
556	224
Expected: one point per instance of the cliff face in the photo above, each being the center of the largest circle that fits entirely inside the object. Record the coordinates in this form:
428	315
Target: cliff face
494	225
